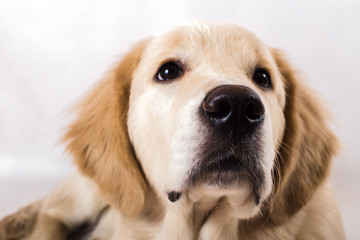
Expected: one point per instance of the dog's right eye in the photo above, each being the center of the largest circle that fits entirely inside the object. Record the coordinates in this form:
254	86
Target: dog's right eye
169	71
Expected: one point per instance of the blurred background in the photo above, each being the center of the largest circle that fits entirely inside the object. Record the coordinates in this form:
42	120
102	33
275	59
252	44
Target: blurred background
52	51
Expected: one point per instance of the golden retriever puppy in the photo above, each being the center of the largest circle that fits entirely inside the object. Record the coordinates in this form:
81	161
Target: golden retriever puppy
200	133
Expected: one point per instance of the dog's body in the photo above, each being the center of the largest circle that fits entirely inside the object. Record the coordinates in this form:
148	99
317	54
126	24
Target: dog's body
200	133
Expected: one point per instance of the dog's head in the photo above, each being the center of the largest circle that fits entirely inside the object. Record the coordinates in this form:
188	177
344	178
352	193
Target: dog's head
204	111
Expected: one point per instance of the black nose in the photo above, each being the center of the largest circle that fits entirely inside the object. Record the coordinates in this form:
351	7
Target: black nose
235	110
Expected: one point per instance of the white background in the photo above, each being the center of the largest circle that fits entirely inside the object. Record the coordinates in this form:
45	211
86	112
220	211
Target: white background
53	51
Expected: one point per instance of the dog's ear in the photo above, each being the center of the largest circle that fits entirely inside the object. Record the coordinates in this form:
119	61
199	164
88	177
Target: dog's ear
99	142
307	147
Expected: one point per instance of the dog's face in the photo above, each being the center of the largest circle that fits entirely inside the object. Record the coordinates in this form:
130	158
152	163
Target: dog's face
206	114
206	111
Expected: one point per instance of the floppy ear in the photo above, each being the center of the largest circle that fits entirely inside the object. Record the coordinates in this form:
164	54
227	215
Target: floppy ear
99	142
307	148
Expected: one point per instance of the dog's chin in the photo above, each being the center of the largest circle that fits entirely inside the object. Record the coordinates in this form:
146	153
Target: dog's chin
232	189
224	181
228	179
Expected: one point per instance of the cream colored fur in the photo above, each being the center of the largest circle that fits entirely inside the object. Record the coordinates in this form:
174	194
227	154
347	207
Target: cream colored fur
136	139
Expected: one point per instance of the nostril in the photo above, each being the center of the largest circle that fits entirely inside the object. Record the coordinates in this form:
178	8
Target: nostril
234	110
254	111
217	109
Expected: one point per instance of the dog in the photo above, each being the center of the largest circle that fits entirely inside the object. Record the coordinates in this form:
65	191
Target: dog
203	132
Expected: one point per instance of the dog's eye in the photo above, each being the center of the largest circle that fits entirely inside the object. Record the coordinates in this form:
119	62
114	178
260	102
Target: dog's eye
262	78
169	71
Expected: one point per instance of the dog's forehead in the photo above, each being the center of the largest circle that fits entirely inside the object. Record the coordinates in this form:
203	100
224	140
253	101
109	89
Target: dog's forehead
215	43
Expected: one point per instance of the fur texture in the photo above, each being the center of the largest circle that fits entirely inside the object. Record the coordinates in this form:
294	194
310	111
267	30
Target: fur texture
137	139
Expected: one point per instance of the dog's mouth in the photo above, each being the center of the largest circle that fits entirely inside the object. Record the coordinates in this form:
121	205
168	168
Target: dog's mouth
226	171
223	173
218	171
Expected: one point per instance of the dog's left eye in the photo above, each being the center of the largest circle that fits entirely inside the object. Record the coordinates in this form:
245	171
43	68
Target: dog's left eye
169	71
262	78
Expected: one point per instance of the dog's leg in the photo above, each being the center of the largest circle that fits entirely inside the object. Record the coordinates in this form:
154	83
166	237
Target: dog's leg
76	201
20	224
73	203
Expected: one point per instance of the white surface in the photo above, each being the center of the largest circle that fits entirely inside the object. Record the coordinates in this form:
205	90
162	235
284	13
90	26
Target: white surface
52	51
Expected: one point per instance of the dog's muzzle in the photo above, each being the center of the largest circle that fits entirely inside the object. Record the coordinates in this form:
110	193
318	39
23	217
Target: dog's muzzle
232	148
